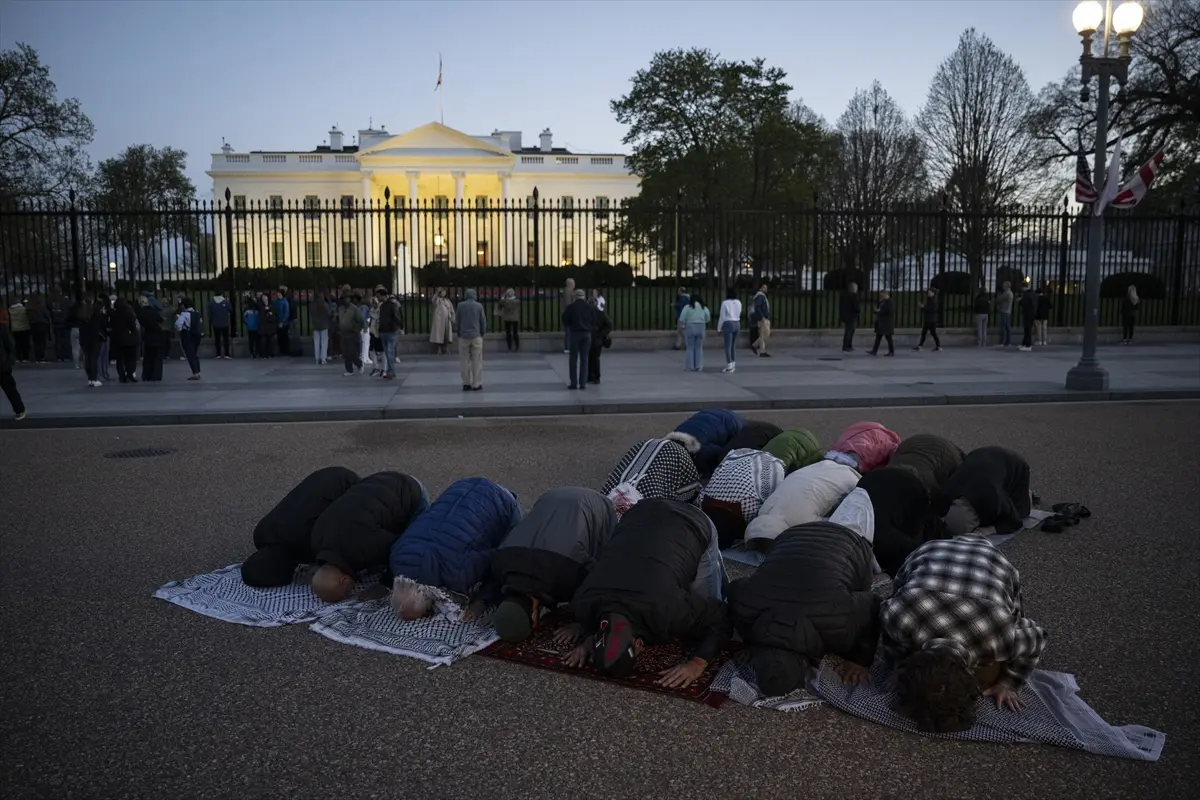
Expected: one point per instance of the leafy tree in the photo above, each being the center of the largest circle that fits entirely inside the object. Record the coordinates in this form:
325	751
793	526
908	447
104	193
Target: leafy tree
980	149
146	198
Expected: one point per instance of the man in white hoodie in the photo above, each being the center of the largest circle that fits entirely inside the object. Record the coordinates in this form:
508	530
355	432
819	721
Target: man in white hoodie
807	495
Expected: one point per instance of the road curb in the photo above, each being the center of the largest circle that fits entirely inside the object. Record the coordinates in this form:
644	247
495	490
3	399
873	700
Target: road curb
586	409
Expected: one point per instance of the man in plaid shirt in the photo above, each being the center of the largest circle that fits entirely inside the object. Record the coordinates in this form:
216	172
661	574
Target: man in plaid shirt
957	609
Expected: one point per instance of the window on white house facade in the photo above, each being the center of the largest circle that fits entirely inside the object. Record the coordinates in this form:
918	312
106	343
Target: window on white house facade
601	248
312	253
276	203
481	253
349	254
602	206
277	251
481	201
568	253
312	205
347	206
567	204
401	203
241	255
239	206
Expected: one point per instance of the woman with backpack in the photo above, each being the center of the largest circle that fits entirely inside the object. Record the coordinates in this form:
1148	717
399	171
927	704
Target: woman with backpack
190	327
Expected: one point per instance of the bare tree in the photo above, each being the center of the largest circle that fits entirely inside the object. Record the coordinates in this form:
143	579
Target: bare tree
979	146
880	165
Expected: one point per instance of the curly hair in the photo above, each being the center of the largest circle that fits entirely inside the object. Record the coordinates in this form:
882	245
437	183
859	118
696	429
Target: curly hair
937	690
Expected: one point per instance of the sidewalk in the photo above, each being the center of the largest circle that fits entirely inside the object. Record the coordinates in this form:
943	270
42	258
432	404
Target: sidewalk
295	389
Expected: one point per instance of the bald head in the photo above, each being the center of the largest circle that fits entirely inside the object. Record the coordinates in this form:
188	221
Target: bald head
331	584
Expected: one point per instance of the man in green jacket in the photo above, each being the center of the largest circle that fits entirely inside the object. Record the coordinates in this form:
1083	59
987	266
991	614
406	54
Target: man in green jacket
350	325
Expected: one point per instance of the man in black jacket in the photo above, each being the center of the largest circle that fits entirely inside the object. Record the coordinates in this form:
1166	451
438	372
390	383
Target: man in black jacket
579	321
849	310
811	597
653	583
600	340
900	504
934	458
988	494
391	322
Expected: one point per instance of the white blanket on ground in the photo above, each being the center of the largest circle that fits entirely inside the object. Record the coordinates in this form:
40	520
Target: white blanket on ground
437	639
223	595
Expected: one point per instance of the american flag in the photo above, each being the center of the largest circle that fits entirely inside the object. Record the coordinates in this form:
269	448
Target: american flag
1085	190
1132	193
439	83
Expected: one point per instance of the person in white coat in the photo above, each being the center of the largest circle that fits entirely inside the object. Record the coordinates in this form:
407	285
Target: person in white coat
728	324
807	495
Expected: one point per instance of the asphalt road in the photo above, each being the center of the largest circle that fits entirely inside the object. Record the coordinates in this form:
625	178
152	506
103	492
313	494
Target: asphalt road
106	692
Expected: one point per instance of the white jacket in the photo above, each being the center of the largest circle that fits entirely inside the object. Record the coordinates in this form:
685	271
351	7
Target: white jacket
806	495
731	311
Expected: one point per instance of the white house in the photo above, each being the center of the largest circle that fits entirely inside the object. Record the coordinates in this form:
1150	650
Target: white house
430	167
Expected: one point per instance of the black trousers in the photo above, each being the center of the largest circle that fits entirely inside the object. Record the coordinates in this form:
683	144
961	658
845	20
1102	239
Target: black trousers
1127	327
62	343
127	363
580	345
880	337
283	340
252	343
1027	339
22	339
931	329
152	362
848	329
39	343
9	385
753	335
266	345
221	339
350	346
594	361
512	335
91	359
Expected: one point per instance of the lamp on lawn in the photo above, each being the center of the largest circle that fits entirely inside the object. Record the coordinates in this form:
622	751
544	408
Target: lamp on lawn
1088	375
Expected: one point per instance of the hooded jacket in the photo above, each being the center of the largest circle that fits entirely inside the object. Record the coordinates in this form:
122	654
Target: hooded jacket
811	596
358	529
806	495
220	312
934	458
654	468
647	572
796	448
753	435
552	548
995	481
450	546
900	502
283	537
869	442
705	435
738	489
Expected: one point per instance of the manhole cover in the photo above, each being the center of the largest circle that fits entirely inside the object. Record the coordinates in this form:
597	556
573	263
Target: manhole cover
140	452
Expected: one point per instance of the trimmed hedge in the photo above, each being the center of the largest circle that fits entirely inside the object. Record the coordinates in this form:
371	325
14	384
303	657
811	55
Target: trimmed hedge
1149	287
836	279
589	274
953	283
1013	276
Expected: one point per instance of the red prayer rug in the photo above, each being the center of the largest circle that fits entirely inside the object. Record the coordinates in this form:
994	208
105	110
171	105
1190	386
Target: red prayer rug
540	651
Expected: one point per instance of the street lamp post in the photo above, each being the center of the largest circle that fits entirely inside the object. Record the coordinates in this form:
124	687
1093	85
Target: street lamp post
1088	375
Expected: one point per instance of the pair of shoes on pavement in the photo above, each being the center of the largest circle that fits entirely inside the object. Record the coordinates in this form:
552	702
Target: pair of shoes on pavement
469	388
1066	515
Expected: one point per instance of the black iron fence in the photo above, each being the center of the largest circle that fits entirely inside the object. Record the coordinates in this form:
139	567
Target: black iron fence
635	258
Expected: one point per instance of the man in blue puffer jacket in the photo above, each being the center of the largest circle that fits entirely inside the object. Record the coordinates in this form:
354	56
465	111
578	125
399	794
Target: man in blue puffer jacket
705	435
448	550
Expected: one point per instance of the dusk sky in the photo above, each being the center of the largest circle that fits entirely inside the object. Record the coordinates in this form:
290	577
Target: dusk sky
277	75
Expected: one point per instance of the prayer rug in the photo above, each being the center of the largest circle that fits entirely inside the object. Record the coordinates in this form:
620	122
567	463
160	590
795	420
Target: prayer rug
223	595
440	639
539	651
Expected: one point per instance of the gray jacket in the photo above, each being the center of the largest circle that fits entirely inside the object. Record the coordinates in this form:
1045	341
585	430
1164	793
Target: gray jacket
1004	302
469	321
573	522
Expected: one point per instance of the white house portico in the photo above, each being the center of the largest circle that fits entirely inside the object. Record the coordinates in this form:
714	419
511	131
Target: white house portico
430	167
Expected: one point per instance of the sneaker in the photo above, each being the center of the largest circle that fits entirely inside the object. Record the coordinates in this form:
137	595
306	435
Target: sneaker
937	349
477	388
764	355
733	367
566	352
466	387
1024	349
389	376
728	368
20	416
347	374
917	348
193	377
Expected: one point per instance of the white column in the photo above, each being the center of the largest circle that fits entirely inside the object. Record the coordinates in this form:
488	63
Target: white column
415	257
456	233
366	247
506	221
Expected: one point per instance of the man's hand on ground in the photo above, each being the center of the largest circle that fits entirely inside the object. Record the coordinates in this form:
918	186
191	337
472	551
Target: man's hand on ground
1006	697
683	674
568	634
986	530
854	674
579	656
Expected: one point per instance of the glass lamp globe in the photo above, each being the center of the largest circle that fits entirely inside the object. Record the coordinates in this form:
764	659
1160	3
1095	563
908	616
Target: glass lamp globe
1087	16
1127	18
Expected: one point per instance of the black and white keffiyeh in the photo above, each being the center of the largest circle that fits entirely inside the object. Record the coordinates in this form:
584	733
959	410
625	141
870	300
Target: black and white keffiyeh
653	468
746	478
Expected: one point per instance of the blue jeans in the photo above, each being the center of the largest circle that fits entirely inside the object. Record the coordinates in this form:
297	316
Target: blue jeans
693	337
389	352
1005	328
579	344
729	332
320	345
711	578
103	362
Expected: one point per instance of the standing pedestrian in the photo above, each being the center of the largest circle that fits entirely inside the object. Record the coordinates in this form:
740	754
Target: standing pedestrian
1004	306
601	303
579	320
601	339
391	323
8	357
1129	310
103	315
1042	319
268	327
1028	305
19	323
60	316
884	324
695	319
981	308
123	334
760	315
250	323
350	323
39	326
849	310
283	318
335	338
220	317
189	324
568	297
73	333
682	301
442	323
929	320
730	322
89	339
370	334
318	318
154	339
510	315
470	325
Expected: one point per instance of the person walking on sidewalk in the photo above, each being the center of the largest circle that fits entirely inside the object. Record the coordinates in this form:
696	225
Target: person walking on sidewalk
1004	306
695	319
981	308
729	323
318	317
268	327
391	324
1042	318
189	324
350	325
1028	306
760	317
929	313
884	324
470	325
849	310
220	315
579	319
510	315
8	357
1129	310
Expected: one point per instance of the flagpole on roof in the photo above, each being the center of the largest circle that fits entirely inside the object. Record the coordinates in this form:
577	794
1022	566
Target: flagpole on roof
441	98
